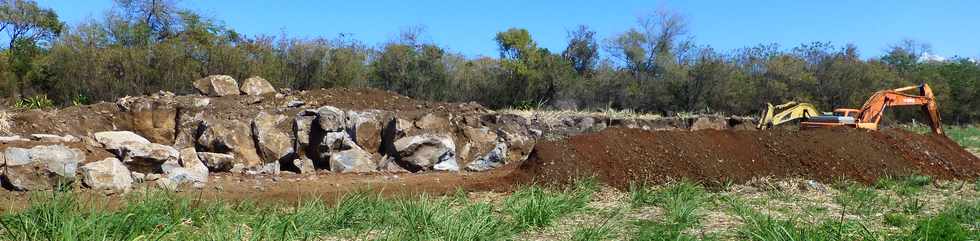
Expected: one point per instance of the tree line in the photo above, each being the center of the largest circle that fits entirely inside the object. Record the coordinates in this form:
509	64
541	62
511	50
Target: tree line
143	46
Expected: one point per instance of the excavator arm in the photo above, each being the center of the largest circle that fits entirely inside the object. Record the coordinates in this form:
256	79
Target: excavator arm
874	108
787	112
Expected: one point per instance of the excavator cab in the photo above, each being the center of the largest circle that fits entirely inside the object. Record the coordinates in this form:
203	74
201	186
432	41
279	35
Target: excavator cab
840	116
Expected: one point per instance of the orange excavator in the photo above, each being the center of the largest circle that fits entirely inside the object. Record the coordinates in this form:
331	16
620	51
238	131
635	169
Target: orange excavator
870	114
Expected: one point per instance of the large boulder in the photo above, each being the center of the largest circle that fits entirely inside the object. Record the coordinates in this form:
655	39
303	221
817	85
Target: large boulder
116	140
427	152
303	133
191	110
191	167
495	158
153	117
331	119
515	131
218	162
148	157
352	160
434	122
302	165
230	136
257	86
41	167
217	85
367	126
108	174
477	142
273	143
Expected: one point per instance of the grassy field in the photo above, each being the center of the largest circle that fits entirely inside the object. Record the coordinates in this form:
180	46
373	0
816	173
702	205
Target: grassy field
906	208
896	208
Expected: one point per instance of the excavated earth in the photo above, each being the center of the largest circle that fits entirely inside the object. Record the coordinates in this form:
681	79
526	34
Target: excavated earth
621	156
617	151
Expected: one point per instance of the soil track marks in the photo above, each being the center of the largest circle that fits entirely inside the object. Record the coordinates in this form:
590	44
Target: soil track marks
619	156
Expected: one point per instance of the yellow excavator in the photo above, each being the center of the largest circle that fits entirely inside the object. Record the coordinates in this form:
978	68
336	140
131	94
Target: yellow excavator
869	116
786	112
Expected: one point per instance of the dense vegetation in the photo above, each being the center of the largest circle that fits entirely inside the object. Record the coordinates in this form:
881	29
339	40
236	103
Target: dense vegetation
142	46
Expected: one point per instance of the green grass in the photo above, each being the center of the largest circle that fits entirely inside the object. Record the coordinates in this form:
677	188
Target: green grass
534	207
157	215
959	221
682	204
759	226
679	209
904	186
859	199
592	231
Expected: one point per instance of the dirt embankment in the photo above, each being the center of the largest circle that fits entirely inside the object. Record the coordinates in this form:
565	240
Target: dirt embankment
619	156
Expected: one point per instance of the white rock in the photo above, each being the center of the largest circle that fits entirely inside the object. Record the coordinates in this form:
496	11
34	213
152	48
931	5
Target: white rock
116	140
257	86
107	174
217	85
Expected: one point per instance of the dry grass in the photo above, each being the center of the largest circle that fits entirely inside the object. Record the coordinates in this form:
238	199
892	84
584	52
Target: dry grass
555	115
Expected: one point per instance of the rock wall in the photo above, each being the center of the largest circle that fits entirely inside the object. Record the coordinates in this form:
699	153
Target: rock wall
256	129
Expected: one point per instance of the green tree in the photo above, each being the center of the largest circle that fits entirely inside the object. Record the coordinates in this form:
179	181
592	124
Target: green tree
533	75
582	50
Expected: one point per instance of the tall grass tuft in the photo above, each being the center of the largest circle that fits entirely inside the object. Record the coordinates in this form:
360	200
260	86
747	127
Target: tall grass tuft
681	202
535	207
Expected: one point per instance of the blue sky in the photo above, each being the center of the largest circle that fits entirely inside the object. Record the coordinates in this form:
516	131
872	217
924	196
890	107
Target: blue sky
468	27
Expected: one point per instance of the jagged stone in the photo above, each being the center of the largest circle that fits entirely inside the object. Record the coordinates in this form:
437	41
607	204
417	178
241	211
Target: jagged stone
295	103
187	127
331	119
169	166
217	85
336	141
433	122
302	131
390	165
495	158
303	165
148	157
274	145
217	162
478	142
230	136
41	167
366	127
190	160
138	177
271	168
116	140
427	151
352	160
257	86
107	174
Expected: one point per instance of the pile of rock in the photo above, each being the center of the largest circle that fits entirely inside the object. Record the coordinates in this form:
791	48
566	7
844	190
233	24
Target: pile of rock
178	140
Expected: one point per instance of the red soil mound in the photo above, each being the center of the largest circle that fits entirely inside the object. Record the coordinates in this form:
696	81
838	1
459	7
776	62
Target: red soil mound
620	156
